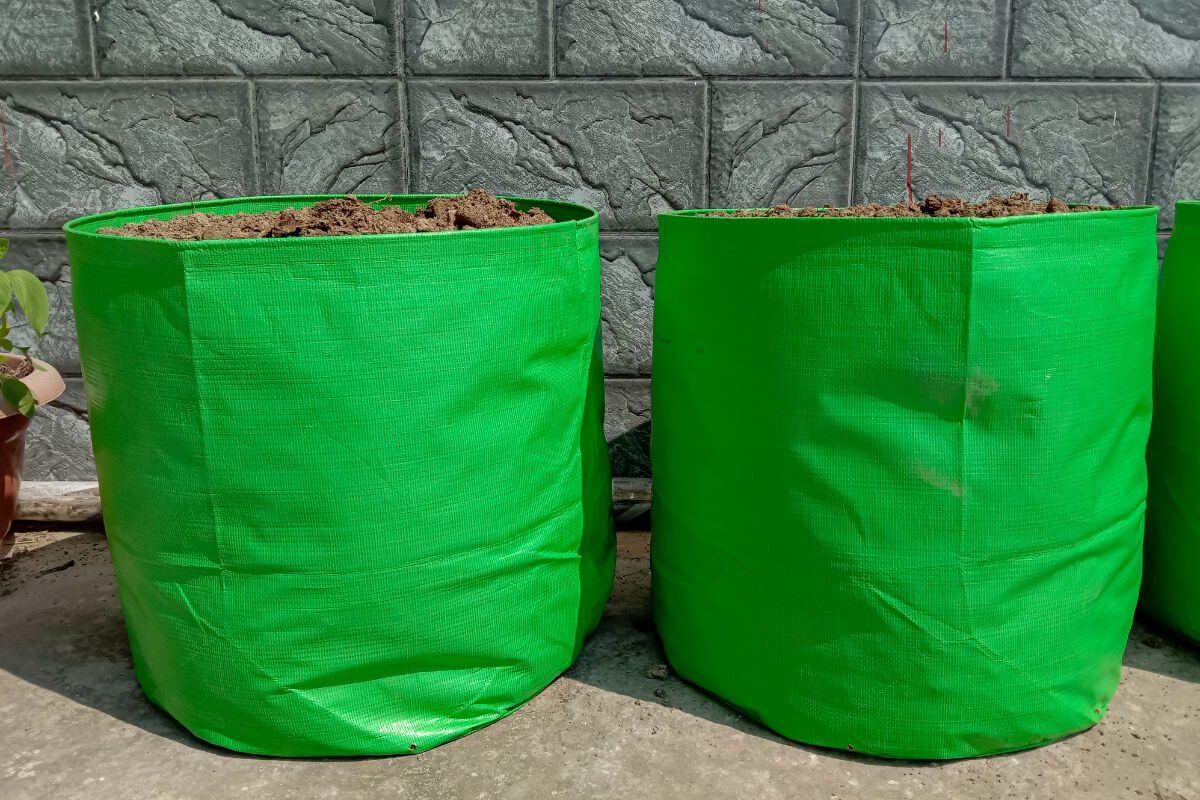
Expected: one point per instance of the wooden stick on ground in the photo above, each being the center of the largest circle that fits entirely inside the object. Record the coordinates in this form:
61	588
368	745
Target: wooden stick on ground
59	501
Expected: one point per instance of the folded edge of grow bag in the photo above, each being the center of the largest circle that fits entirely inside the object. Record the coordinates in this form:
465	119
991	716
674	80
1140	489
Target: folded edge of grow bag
935	429
1171	586
356	488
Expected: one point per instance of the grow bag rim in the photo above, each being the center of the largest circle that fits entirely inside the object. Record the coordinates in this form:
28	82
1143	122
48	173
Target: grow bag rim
86	226
1031	219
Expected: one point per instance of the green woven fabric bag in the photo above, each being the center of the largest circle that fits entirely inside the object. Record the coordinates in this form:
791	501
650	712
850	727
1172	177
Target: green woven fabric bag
899	473
1171	588
356	488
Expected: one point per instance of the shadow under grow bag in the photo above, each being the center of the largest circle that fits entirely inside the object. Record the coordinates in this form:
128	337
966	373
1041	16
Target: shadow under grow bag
935	430
1171	589
356	487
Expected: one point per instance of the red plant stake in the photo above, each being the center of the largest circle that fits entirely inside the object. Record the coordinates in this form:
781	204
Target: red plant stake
946	39
908	170
1008	122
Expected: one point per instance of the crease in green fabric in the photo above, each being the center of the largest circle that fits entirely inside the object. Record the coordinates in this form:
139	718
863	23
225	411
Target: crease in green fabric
356	487
937	442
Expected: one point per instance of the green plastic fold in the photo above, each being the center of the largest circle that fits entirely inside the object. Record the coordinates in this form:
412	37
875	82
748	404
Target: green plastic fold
356	488
900	471
1171	587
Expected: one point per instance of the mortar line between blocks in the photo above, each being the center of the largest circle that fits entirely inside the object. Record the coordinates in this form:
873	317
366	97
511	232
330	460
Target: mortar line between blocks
855	114
1155	106
255	154
706	146
632	234
397	25
266	77
90	18
33	233
552	38
858	42
1010	24
412	156
405	136
856	95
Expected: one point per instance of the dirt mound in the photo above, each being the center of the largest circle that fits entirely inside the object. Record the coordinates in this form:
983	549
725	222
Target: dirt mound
342	216
932	206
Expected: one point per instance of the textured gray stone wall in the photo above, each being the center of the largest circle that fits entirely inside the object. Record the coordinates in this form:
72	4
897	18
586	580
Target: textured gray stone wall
634	108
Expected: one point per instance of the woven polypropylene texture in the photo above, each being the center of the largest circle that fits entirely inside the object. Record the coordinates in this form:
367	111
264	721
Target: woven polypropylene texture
356	488
935	431
1171	587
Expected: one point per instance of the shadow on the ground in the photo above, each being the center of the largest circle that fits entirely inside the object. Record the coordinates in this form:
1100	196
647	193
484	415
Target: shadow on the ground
1155	649
624	656
61	624
62	629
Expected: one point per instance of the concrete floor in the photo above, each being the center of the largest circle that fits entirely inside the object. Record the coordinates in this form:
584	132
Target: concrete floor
73	722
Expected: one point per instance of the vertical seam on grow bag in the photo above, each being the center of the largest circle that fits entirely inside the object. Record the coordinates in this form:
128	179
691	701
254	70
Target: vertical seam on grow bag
967	489
582	239
218	633
186	258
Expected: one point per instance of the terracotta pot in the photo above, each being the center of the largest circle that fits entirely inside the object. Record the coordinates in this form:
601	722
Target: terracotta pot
46	385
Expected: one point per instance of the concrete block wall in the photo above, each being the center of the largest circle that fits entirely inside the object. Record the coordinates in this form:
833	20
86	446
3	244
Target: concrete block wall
635	108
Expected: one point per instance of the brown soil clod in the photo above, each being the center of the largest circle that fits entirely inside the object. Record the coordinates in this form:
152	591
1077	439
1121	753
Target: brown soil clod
659	672
1017	204
343	216
16	368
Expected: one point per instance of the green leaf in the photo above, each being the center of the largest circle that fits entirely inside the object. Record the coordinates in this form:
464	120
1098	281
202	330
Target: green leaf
19	395
31	294
6	343
6	292
3	247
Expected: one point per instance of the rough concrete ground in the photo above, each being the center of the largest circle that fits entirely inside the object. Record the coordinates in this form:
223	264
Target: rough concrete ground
73	722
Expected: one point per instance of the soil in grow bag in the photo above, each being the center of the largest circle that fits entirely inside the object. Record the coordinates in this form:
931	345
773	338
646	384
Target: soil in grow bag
939	459
368	560
1014	205
343	216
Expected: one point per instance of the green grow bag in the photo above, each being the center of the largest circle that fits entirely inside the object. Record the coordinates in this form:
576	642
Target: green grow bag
1171	588
356	488
899	471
